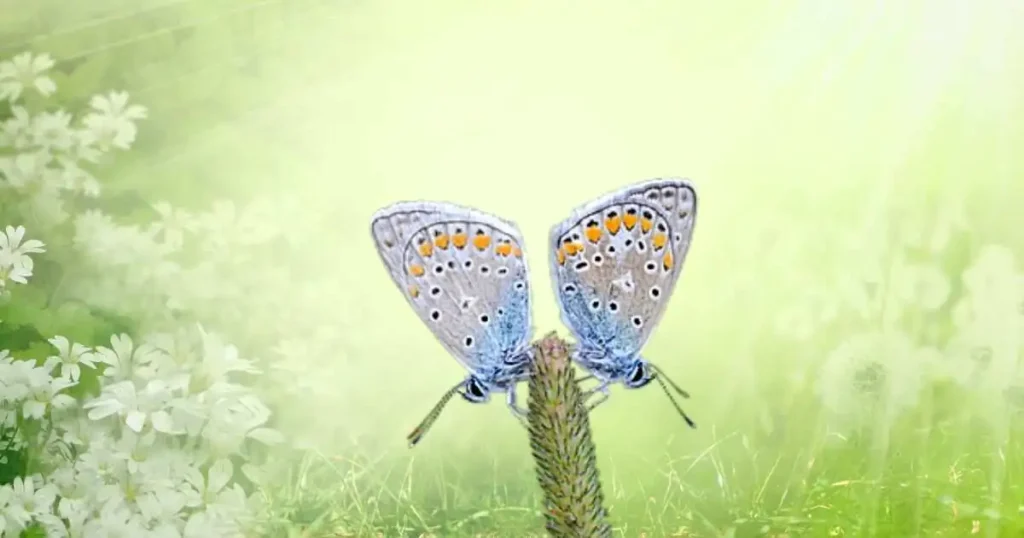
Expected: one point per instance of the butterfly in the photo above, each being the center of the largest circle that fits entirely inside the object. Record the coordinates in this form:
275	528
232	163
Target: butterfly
464	273
614	263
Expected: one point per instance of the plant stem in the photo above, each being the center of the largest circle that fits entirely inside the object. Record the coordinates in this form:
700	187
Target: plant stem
562	446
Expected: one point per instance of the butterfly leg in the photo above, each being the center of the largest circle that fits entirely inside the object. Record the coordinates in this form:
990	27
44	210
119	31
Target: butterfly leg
519	412
604	394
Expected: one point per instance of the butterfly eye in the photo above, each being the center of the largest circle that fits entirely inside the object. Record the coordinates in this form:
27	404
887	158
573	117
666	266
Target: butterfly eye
475	389
639	374
655	292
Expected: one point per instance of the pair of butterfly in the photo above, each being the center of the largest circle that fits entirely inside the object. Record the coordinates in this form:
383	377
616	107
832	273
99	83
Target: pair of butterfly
615	262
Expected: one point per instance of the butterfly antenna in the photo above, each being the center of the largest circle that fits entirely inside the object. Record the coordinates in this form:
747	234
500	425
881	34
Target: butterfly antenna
661	373
661	378
417	434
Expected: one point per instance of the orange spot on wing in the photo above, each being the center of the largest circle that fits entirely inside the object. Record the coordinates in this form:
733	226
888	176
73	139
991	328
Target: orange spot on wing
416	270
503	249
481	241
414	291
441	241
593	233
517	252
612	224
573	248
666	261
426	249
629	221
659	241
561	256
645	225
459	240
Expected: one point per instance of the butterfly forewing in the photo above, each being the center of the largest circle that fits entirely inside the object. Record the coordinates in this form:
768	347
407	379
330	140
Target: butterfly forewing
616	261
464	273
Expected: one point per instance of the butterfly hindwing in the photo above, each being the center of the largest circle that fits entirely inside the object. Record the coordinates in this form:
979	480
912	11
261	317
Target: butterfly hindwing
616	261
464	273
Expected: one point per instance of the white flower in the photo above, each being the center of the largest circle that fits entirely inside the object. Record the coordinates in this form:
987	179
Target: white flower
28	500
46	395
219	360
71	357
51	131
173	223
16	131
112	121
137	407
24	72
22	169
22	377
74	178
125	360
881	371
13	251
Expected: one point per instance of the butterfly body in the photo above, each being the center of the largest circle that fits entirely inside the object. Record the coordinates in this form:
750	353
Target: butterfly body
615	262
465	275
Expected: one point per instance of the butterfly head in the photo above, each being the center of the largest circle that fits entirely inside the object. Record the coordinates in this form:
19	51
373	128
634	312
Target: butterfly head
638	374
475	390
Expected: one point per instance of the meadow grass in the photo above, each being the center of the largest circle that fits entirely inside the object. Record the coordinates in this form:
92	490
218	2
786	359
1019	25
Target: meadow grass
929	474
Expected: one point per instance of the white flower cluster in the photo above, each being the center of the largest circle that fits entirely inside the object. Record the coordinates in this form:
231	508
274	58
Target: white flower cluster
151	455
138	438
230	265
52	150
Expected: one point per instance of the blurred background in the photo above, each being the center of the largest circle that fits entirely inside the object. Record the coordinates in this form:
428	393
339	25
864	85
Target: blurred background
848	322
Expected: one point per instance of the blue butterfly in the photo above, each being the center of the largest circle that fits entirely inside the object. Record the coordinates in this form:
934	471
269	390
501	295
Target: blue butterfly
465	274
615	262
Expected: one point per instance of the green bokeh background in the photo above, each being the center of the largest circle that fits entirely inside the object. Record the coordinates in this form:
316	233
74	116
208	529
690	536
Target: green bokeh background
791	117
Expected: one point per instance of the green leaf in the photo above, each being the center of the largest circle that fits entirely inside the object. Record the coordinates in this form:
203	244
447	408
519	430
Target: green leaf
25	306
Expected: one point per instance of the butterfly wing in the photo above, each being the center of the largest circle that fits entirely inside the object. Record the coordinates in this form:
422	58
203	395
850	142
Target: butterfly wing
464	273
616	261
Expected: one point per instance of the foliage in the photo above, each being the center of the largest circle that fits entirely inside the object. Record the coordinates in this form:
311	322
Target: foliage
141	435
